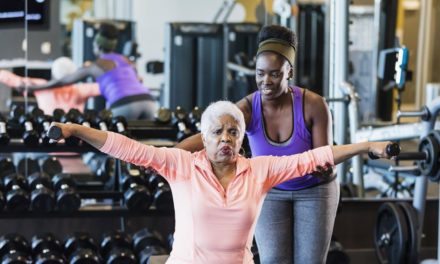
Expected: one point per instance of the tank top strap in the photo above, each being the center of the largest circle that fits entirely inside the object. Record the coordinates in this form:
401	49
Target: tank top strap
298	108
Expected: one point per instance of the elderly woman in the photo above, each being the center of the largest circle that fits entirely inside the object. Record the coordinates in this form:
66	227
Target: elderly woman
217	193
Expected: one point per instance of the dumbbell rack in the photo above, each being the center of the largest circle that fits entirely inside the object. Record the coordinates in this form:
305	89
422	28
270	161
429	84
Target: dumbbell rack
138	130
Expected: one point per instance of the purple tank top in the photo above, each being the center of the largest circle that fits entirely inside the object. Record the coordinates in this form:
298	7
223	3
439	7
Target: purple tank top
300	141
119	82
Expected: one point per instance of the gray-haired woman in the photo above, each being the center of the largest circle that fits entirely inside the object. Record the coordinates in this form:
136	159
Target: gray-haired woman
217	193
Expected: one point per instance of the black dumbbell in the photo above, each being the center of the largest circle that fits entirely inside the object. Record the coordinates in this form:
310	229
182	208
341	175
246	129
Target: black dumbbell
102	120
17	196
69	118
119	124
43	122
163	116
179	120
15	113
67	198
80	248
4	136
28	166
30	135
116	248
42	194
83	118
50	165
14	248
163	198
102	166
58	114
137	197
392	150
194	118
147	243
47	249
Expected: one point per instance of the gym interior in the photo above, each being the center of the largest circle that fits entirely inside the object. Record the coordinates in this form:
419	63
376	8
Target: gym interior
371	64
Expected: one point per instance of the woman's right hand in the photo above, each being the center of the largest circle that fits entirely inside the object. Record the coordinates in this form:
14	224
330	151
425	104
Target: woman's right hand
63	132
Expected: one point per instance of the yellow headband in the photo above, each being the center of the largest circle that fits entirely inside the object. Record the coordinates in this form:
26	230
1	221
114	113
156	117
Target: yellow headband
279	46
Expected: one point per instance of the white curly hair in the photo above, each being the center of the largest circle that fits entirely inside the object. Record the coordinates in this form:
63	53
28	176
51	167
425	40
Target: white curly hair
220	108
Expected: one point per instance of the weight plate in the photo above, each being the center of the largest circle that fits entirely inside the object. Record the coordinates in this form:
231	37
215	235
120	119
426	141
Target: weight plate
435	174
430	146
390	234
413	226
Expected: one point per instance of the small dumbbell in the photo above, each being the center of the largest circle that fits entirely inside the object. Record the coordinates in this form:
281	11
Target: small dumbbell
50	165
119	124
179	120
147	243
46	249
14	248
163	116
43	122
137	197
116	248
67	198
30	135
17	197
194	118
4	136
162	195
81	248
28	166
42	194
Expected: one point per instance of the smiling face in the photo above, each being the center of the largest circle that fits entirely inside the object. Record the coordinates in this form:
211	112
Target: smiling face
272	74
223	140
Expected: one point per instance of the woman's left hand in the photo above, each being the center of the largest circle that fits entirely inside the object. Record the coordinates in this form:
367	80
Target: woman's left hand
379	149
324	172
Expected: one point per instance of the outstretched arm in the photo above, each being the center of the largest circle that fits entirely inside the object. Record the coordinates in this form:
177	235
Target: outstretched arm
173	164
279	169
80	75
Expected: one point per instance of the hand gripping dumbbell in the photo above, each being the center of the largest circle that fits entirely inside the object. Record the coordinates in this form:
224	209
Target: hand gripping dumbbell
14	248
162	195
30	135
137	197
69	118
43	122
116	248
80	248
47	249
179	120
4	137
42	194
147	243
67	198
194	118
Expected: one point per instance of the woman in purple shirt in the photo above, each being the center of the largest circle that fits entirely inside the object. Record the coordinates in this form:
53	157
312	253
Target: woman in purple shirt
297	218
117	78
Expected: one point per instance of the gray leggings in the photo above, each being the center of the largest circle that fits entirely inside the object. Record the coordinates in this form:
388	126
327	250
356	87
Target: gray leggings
138	110
296	226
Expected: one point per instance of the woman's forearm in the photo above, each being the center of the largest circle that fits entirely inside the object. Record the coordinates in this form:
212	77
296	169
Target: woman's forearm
344	152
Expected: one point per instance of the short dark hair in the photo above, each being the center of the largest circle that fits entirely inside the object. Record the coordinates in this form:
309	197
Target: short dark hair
108	30
278	32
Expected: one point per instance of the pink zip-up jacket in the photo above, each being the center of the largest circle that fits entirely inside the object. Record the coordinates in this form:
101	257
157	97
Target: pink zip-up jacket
214	225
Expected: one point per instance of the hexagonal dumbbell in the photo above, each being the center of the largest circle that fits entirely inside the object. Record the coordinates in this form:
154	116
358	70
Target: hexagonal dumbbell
116	247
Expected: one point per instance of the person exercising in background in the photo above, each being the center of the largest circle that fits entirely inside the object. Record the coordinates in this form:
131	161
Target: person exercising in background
64	97
297	218
117	78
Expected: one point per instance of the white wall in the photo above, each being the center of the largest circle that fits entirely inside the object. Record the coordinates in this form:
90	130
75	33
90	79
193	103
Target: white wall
151	16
